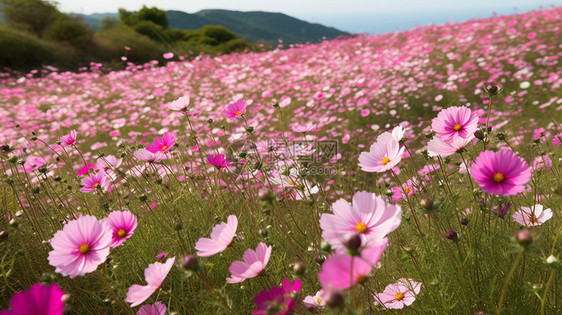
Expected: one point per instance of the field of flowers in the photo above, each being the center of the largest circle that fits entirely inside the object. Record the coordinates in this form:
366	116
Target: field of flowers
415	172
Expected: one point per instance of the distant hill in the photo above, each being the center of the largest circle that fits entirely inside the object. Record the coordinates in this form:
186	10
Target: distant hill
255	26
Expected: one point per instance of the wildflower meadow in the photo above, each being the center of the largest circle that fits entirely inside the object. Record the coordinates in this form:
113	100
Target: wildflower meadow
414	172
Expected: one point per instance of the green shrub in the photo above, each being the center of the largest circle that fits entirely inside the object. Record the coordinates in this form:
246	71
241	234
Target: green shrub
233	45
73	31
110	45
220	33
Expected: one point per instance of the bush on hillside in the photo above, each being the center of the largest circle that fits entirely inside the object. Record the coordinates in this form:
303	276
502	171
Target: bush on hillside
111	42
71	30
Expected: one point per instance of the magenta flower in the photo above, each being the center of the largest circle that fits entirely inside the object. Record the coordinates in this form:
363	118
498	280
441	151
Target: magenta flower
455	122
147	156
534	216
557	140
85	169
180	104
278	298
342	272
80	247
154	275
444	148
39	299
253	264
382	156
221	237
219	161
303	128
399	294
369	215
162	144
122	225
69	139
235	109
500	173
155	309
95	181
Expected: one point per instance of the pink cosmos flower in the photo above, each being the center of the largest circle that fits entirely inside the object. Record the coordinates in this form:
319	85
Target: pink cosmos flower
122	225
342	272
33	163
168	55
108	162
303	128
221	237
155	309
279	297
85	169
180	104
455	122
443	148
235	109
382	156
253	264
316	300
94	182
557	140
162	144
147	156
154	275
69	139
408	188
396	134
500	173
398	294
80	247
219	161
369	215
532	217
39	299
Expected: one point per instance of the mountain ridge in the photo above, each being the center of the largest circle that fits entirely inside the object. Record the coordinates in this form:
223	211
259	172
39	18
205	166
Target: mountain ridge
252	26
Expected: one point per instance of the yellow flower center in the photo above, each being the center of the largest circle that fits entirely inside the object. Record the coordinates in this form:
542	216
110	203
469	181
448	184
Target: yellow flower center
498	177
457	127
399	296
96	185
407	190
84	248
385	161
361	278
291	183
164	148
121	232
534	219
319	300
361	227
238	112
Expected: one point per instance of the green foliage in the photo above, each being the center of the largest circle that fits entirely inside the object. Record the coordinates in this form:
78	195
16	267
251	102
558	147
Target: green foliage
150	30
234	45
21	50
145	14
111	44
107	23
71	30
219	33
31	15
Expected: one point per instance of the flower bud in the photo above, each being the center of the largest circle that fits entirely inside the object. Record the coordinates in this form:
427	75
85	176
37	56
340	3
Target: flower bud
190	262
334	299
426	204
299	268
464	221
478	134
524	238
452	235
353	242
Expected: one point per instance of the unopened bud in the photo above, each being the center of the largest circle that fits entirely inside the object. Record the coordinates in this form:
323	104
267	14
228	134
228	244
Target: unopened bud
334	299
524	238
299	268
452	235
478	134
190	262
353	242
426	204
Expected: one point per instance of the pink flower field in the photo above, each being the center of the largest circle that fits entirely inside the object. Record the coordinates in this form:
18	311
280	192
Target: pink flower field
362	174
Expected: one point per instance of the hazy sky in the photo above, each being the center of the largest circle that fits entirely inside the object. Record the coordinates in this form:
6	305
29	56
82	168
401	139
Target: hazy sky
349	15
